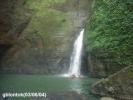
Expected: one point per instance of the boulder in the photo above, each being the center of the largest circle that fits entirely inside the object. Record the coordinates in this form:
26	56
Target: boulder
118	85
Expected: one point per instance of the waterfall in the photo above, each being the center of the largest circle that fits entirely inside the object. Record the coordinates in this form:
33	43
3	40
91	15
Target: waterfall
75	62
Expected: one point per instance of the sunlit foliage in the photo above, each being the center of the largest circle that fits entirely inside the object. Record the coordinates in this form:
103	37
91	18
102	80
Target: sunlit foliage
110	30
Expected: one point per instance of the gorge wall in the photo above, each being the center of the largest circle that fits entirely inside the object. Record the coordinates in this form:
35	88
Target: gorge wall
108	36
109	48
38	35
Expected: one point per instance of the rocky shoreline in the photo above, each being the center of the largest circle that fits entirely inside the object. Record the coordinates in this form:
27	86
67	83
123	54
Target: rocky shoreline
118	85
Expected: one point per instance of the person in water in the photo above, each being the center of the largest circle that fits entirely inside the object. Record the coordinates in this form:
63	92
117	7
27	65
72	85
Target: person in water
75	76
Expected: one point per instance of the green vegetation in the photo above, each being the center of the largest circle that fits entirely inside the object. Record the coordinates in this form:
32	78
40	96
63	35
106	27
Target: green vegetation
46	21
39	4
109	31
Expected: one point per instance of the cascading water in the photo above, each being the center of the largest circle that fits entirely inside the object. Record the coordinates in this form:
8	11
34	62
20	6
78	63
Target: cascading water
75	62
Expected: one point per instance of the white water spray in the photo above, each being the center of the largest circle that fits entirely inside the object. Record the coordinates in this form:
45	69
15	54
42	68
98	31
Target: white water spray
75	62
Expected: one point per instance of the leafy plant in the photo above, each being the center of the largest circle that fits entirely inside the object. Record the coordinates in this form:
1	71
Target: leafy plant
109	29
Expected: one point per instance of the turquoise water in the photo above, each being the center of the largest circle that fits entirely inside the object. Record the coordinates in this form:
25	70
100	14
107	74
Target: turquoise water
42	83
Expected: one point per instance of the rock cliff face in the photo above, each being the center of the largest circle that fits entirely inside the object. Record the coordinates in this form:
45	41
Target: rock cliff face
100	66
96	68
40	34
10	26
